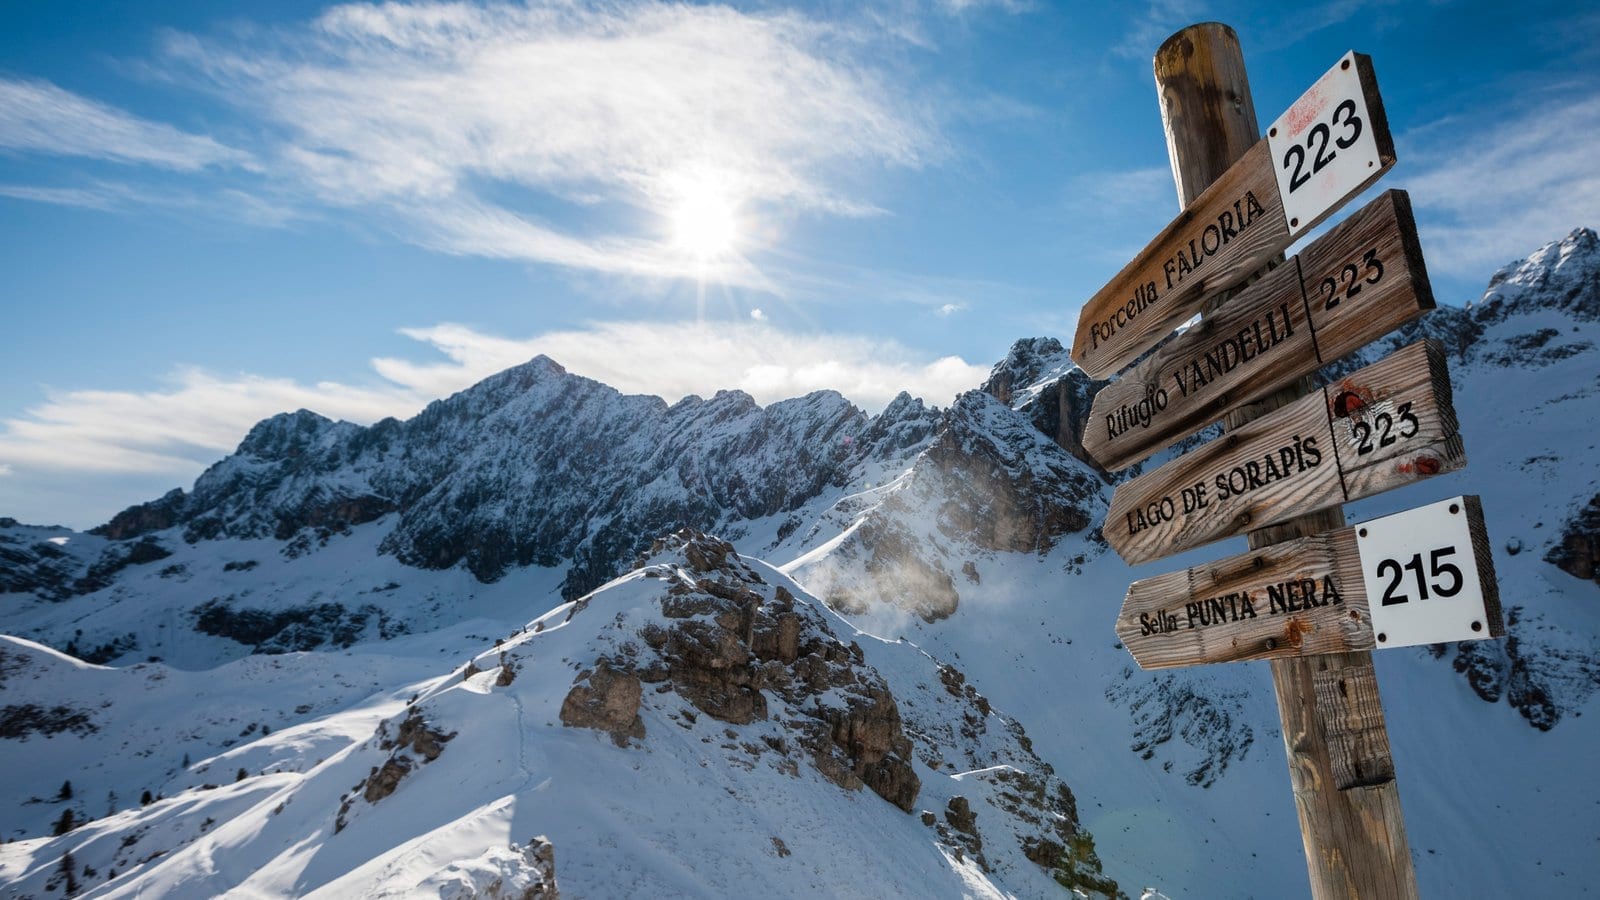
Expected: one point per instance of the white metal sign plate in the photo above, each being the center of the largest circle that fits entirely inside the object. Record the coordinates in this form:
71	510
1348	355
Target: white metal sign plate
1324	148
1422	576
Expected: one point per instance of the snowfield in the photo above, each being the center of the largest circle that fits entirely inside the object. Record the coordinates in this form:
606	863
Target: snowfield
548	634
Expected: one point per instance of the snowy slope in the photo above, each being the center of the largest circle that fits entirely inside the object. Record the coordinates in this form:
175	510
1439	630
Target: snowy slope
680	788
375	561
1197	800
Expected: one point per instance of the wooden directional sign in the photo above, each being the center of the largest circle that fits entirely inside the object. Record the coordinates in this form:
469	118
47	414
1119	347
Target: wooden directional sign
1353	285
1330	145
1327	593
1384	426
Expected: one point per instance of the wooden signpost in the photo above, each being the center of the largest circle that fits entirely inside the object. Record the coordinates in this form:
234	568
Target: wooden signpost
1311	596
1358	282
1382	427
1326	593
1330	145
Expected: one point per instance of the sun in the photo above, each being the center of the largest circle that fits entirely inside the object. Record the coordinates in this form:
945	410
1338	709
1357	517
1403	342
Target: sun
705	219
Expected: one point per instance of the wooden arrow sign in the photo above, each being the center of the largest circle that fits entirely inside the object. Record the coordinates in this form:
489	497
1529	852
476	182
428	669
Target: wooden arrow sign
1382	427
1328	147
1353	285
1310	595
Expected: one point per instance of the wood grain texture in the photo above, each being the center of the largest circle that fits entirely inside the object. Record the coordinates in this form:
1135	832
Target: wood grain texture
1204	90
1362	827
1348	697
1355	838
1296	598
1226	233
1316	452
1155	292
1358	282
1359	405
1495	624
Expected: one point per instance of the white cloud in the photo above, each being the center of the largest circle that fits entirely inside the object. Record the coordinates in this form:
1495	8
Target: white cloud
1145	189
198	416
173	428
91	197
673	360
229	205
1486	195
758	315
950	309
968	6
37	116
439	115
1160	19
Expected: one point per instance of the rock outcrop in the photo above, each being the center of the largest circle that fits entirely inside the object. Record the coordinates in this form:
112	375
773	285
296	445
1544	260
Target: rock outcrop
414	743
1038	379
1577	549
605	700
726	641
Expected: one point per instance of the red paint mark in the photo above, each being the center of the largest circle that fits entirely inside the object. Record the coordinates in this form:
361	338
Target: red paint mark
1352	398
1304	112
1422	465
1294	632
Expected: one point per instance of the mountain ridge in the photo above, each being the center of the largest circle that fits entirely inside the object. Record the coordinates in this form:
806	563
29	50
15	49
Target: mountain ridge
965	538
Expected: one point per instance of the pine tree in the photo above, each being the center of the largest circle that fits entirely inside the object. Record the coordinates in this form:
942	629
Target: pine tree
242	775
66	791
66	823
111	803
67	868
145	799
186	760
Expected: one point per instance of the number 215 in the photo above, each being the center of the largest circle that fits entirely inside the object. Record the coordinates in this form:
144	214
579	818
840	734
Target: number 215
1437	569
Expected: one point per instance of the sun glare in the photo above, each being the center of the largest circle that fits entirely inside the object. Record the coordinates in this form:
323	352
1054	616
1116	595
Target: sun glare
705	220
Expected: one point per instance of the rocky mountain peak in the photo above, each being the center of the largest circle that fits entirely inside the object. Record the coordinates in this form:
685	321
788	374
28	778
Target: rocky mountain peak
144	518
286	435
1029	362
1562	274
1039	379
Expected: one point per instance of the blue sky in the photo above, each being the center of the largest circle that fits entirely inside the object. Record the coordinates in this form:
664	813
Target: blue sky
214	211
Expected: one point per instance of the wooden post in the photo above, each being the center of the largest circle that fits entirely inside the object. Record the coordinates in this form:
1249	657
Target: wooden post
1333	729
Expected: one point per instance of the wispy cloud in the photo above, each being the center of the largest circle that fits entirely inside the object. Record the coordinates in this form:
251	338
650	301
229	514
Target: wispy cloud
552	133
1143	196
199	415
445	116
1144	189
968	6
1158	21
673	360
1486	195
39	117
176	427
226	204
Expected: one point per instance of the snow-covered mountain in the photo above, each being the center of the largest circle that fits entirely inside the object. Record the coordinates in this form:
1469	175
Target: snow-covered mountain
452	655
700	726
